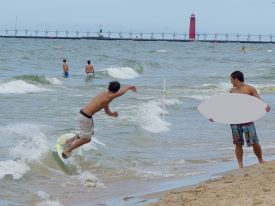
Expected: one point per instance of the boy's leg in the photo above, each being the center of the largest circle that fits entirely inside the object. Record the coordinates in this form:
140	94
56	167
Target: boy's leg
258	152
77	143
239	154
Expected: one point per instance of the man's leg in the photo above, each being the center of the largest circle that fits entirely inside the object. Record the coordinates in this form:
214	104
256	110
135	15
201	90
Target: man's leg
252	139
239	154
258	152
68	142
77	143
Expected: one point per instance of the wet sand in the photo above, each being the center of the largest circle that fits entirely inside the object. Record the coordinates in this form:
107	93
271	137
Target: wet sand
254	185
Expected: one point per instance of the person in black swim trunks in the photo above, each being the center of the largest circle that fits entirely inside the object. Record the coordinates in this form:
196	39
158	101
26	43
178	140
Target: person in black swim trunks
85	116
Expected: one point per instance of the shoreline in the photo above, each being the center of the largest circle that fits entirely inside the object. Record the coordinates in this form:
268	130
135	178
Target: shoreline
252	185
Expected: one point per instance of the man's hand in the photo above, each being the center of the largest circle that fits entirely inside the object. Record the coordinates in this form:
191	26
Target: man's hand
267	109
114	114
133	88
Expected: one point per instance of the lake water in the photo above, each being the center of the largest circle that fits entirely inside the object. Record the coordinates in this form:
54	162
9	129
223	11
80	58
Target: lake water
159	140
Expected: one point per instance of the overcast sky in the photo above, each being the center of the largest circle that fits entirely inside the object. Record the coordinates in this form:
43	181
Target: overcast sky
212	16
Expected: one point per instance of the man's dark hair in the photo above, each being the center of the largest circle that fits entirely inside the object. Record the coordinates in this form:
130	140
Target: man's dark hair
114	86
64	60
238	75
88	62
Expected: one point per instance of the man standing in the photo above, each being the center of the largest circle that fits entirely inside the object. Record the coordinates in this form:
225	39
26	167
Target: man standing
237	80
65	68
85	116
89	68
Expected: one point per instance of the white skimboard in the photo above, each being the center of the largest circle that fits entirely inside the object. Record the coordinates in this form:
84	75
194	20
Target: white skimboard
233	108
61	143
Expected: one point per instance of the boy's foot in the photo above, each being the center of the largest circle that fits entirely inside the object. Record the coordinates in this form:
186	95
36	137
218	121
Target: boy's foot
263	161
66	154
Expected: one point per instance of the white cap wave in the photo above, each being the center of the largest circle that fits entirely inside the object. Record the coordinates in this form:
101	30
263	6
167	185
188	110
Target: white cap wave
121	72
151	113
19	87
29	144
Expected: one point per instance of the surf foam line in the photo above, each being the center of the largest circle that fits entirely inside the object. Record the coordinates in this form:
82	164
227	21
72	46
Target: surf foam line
20	87
29	144
150	115
36	79
14	168
205	91
120	72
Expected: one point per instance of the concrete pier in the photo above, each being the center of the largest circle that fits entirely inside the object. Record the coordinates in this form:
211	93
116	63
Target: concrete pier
139	36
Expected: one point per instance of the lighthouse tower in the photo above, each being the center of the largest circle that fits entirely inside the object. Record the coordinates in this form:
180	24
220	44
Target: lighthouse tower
192	28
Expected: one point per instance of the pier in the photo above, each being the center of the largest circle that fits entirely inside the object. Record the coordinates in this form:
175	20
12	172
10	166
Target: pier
138	36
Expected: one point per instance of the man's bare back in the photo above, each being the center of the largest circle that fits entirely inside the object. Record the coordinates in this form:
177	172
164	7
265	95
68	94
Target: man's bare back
89	68
99	102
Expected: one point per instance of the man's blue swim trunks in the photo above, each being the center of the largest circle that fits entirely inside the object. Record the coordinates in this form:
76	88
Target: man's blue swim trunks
249	131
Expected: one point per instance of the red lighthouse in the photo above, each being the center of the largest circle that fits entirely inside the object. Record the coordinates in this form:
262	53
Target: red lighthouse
192	28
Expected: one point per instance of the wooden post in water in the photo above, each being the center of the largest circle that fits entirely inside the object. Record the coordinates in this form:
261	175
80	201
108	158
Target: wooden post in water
163	98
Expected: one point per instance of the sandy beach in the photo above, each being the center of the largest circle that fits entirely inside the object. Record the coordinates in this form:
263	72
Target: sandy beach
254	185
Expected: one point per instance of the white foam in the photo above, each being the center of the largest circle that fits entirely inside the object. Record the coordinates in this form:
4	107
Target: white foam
33	142
19	87
269	50
87	179
170	102
150	114
161	51
54	80
45	200
14	168
198	97
152	174
95	140
121	72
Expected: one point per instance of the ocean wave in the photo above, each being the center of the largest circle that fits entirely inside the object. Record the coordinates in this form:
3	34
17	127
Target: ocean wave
20	87
38	79
120	72
29	144
87	179
151	115
46	200
152	174
14	168
159	51
205	91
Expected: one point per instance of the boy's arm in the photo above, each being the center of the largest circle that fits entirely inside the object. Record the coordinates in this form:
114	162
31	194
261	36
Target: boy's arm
123	91
108	112
255	94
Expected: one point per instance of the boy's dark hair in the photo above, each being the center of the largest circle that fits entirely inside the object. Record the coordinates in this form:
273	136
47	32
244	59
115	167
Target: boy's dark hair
114	86
88	62
238	75
64	60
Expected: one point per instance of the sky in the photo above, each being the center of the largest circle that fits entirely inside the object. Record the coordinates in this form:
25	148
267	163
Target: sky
212	16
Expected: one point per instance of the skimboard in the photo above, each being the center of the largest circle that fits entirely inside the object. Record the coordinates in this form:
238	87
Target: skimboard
69	169
61	143
233	108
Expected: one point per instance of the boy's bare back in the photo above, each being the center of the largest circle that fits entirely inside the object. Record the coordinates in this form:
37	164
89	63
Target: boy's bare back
97	103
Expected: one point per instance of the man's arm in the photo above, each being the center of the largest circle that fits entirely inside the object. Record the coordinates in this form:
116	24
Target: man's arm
255	94
108	111
123	91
